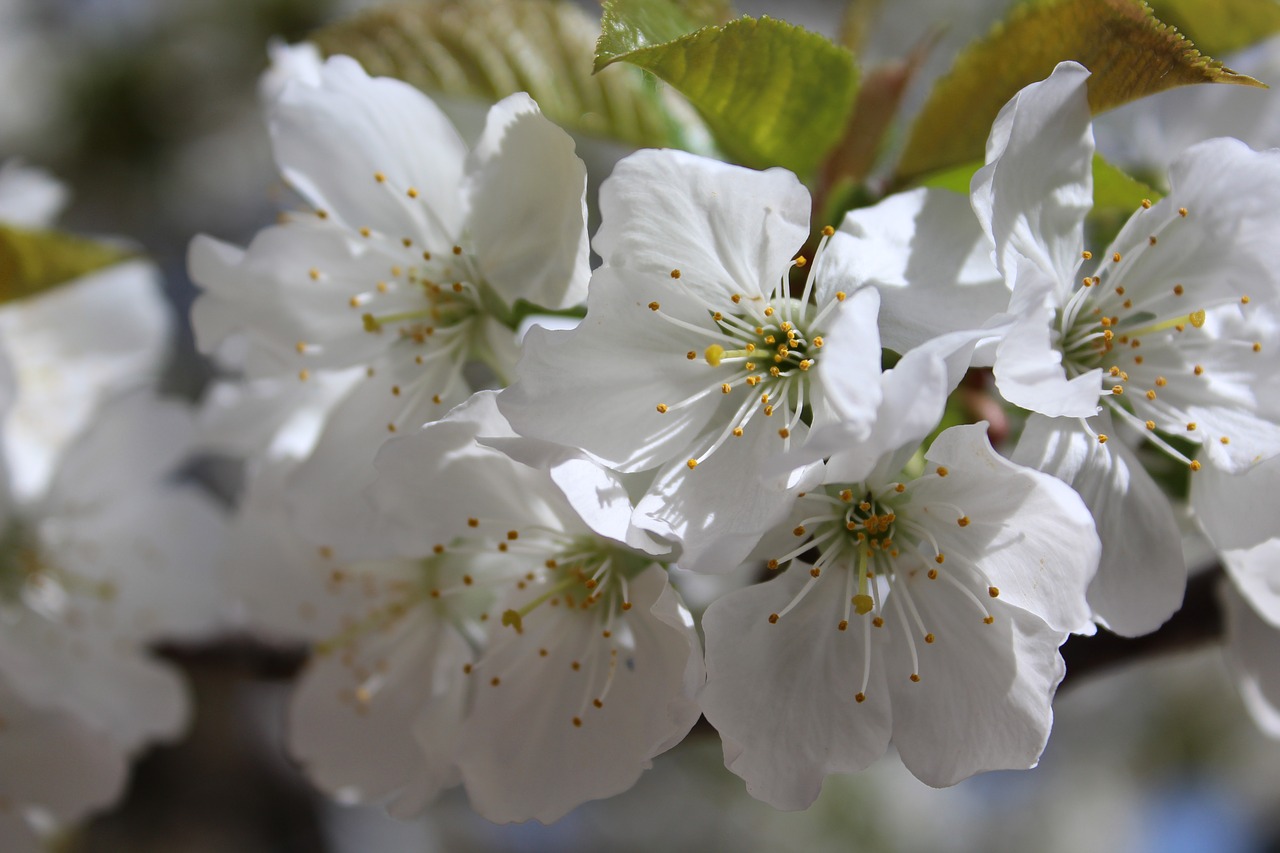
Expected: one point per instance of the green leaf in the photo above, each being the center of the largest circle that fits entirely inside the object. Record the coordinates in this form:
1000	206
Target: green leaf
32	261
489	49
1115	192
1131	53
1221	26
772	94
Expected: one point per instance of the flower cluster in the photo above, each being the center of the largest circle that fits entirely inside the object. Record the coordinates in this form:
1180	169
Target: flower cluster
490	589
101	553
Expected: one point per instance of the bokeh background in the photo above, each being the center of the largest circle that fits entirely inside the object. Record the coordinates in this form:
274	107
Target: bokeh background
148	110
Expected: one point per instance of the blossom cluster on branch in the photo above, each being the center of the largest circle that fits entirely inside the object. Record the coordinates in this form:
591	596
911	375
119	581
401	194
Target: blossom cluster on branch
535	514
493	588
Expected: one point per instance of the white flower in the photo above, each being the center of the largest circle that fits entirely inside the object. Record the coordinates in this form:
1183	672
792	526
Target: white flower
73	346
695	359
931	615
53	769
109	558
1253	631
516	646
410	266
1166	328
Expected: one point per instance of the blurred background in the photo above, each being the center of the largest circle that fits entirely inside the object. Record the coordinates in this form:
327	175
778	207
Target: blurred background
148	110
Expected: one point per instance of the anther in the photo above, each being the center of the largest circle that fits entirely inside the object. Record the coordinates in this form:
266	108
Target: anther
1146	204
940	559
654	306
675	273
933	574
1116	257
1182	211
860	698
692	463
662	408
1191	426
1102	439
691	355
773	618
799	530
988	620
843	626
942	471
928	638
1195	465
411	192
993	591
915	678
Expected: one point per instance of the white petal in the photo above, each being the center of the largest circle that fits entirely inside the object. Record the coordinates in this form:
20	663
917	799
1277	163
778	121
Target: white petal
1237	510
1028	533
51	762
527	220
914	395
326	491
30	197
1221	247
521	755
719	510
840	390
1253	654
1028	366
984	697
927	255
281	580
727	229
353	721
301	61
430	483
293	284
98	677
626	361
782	695
1142	574
135	442
601	496
157	552
1037	186
70	349
1256	576
330	140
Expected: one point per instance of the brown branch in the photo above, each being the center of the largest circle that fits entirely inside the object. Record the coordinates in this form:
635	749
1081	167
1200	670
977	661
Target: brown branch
1198	623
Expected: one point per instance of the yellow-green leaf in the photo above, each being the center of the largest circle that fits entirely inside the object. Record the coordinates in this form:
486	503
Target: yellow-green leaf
771	93
1129	51
33	261
489	49
1221	26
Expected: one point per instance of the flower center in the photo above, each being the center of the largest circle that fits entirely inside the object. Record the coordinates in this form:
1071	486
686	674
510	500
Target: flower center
1152	339
766	345
882	544
28	577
